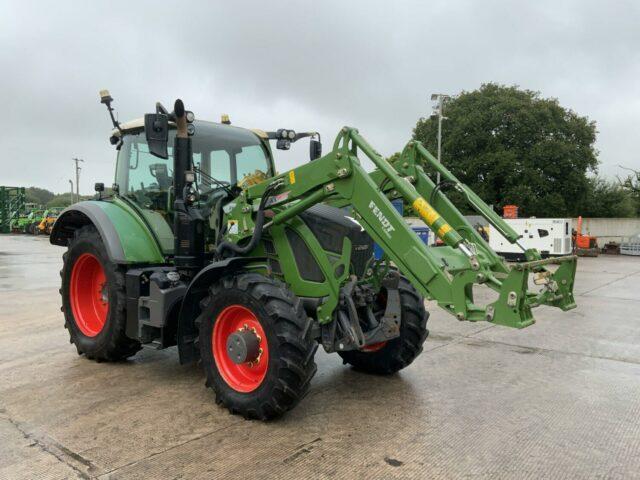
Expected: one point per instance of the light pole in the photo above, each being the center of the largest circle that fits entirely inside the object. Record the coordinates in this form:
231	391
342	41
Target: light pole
77	177
71	184
439	98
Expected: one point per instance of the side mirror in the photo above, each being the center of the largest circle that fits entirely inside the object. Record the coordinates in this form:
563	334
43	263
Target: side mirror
315	149
99	188
156	129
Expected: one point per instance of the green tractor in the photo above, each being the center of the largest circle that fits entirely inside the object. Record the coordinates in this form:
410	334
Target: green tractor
203	245
28	220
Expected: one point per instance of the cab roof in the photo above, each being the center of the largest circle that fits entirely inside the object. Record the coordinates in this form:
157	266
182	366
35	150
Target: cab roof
138	124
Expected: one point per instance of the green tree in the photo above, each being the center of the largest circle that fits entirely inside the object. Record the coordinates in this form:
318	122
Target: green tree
37	195
608	198
60	200
514	147
632	185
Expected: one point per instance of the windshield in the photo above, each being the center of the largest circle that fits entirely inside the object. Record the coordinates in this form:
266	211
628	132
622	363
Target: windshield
222	152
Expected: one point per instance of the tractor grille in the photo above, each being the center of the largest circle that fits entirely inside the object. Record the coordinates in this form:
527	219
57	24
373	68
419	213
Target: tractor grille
330	225
307	265
360	256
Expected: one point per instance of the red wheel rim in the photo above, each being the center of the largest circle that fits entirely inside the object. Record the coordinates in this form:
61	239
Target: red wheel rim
243	377
374	347
88	294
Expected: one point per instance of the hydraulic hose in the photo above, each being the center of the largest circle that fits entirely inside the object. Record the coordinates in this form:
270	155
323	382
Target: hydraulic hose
236	249
439	186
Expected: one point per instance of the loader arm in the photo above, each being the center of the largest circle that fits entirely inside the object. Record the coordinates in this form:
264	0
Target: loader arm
410	165
445	274
411	170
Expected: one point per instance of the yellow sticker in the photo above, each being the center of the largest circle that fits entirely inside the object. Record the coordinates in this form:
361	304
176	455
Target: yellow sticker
425	210
292	177
444	230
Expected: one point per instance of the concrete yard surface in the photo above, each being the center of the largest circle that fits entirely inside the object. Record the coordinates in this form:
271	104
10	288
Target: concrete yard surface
560	399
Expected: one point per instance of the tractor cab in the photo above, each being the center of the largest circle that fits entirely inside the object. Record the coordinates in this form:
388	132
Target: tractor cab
222	156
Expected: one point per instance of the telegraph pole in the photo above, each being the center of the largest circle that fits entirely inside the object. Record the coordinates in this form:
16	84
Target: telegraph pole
77	177
439	98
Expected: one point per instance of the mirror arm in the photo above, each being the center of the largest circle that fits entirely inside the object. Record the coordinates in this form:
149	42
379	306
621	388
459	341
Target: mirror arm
160	109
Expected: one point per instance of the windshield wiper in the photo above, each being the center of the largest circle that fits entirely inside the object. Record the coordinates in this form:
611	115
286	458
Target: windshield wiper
213	179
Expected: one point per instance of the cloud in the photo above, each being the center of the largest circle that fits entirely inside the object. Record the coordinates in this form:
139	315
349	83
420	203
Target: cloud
303	65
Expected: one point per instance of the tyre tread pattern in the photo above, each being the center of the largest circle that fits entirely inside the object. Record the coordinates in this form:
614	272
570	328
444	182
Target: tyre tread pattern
118	346
296	347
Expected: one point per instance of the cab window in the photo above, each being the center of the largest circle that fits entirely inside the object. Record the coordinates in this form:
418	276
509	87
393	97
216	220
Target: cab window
250	159
222	152
146	171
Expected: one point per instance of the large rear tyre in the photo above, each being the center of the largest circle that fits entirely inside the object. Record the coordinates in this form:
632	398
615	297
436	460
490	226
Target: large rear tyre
394	355
256	346
93	299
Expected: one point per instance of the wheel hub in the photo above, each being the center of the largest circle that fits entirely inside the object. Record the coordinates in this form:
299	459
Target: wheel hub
104	293
243	346
240	348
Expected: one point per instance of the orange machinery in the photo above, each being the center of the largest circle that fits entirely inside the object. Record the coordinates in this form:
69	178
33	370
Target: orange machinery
510	211
584	245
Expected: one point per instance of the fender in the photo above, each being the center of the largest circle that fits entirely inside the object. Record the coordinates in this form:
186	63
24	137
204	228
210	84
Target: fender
190	308
125	234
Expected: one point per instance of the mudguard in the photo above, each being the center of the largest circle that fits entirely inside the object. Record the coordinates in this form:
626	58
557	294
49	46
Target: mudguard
126	236
190	309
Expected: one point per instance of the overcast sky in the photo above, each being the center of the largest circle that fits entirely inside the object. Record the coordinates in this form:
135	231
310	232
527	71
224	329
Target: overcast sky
303	65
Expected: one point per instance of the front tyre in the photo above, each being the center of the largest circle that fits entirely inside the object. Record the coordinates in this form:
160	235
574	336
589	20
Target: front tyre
93	299
256	346
394	355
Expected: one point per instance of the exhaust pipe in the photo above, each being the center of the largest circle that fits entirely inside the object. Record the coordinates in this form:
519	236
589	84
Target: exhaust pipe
188	222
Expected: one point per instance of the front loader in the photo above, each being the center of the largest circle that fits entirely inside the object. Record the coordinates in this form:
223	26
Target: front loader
205	246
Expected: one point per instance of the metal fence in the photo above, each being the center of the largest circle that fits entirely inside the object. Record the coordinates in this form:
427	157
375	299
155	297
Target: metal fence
12	201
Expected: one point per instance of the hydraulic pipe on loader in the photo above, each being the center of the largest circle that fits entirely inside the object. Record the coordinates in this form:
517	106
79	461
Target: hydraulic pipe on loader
409	164
422	207
476	202
409	167
410	195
